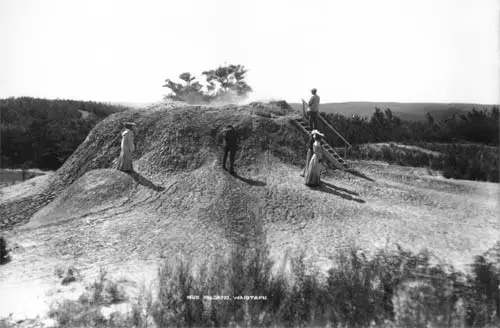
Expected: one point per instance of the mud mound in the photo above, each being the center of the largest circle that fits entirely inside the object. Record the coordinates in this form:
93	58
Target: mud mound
173	140
95	191
26	188
183	139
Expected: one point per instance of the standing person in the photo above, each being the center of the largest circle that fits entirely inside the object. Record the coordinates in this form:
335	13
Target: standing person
313	172
309	153
127	148
231	140
313	109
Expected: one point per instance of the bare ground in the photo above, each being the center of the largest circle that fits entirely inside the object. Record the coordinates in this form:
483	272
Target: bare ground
155	217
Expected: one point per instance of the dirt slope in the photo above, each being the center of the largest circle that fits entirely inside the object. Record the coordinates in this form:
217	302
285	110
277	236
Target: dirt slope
180	201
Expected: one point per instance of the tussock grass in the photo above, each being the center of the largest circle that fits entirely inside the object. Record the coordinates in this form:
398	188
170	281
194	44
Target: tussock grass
86	311
391	288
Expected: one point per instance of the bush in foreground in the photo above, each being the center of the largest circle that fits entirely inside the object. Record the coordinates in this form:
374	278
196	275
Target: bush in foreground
86	311
390	288
387	289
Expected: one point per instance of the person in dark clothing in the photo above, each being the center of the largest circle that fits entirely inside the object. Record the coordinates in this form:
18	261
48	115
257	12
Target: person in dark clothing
313	110
231	141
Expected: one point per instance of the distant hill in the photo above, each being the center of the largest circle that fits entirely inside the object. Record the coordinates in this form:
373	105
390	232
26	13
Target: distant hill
406	111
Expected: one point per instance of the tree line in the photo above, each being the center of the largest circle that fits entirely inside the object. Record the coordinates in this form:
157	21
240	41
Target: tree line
469	141
43	133
476	126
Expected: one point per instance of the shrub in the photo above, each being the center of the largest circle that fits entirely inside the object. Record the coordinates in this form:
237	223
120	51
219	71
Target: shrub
69	313
69	277
86	311
482	294
142	308
103	291
387	289
242	273
7	322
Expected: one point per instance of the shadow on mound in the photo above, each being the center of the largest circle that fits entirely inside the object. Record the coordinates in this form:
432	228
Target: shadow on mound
359	174
347	191
337	191
249	181
145	182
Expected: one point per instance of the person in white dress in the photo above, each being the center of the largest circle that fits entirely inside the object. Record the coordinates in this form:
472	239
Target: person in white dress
127	148
315	166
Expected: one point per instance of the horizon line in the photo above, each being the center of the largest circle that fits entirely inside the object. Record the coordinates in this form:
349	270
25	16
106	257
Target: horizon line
266	100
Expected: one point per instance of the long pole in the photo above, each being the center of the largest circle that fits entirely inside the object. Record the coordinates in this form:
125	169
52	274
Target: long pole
304	105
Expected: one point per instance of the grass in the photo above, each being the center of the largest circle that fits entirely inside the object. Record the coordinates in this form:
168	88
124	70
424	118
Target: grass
470	162
395	288
391	288
86	311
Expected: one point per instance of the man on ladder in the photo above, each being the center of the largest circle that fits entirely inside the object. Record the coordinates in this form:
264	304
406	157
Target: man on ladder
313	109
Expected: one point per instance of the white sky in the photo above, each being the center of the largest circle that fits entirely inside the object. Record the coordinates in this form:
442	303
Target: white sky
351	50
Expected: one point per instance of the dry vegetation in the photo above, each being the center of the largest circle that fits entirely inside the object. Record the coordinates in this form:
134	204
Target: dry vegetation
393	288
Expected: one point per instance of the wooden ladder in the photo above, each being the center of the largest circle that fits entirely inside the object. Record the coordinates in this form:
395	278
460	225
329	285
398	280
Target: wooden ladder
331	155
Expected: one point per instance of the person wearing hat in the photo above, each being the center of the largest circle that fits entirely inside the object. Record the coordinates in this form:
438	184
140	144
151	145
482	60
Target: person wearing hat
231	141
313	171
313	109
127	148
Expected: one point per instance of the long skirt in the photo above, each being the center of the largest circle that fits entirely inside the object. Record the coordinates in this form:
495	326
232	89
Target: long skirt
308	159
313	172
125	161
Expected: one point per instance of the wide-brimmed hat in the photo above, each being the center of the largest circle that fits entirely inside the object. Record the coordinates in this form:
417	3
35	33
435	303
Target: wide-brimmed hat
313	132
129	125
